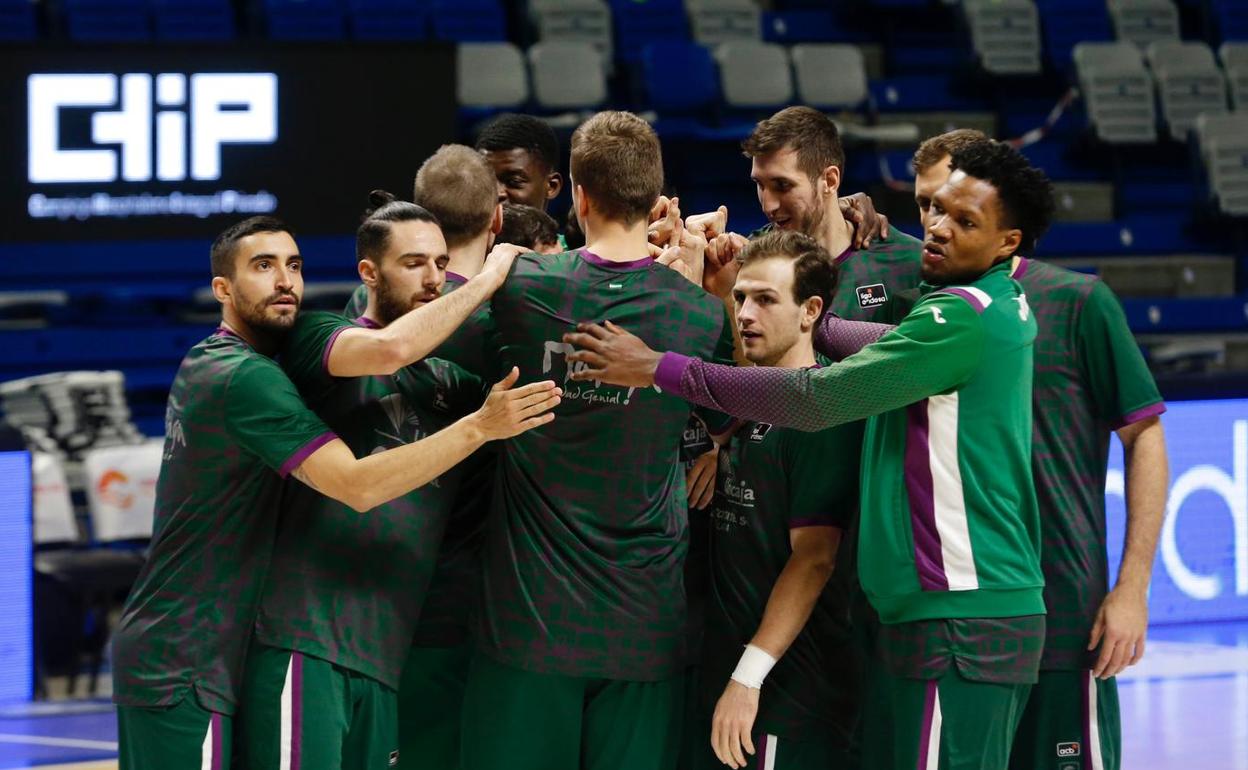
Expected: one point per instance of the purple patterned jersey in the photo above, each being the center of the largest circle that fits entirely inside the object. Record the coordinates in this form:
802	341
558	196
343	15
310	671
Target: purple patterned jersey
586	541
1090	380
235	425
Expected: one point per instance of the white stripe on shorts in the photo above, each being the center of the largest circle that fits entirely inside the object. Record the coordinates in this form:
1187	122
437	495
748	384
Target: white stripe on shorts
287	731
933	735
769	761
205	750
1094	726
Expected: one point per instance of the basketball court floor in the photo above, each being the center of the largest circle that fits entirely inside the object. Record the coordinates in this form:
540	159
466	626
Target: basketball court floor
1185	707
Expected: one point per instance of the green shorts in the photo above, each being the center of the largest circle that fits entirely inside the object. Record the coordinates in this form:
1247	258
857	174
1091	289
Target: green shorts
1071	723
950	723
431	699
182	737
522	720
304	713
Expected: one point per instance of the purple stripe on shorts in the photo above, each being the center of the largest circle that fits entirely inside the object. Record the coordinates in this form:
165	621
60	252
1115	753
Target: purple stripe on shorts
966	295
296	710
305	451
1085	731
217	761
928	559
929	713
1021	268
594	259
1152	410
762	751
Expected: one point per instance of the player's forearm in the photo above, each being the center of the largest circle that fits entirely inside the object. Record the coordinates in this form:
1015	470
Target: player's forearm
791	602
872	383
1147	480
838	338
365	483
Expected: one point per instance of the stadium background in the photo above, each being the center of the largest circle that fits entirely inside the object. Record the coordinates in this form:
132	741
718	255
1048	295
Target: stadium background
134	130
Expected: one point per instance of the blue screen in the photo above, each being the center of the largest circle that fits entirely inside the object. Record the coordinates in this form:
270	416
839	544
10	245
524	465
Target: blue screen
1201	572
16	638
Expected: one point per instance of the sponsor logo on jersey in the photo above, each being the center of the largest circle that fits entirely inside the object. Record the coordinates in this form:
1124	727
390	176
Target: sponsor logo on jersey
1071	749
394	758
872	296
760	431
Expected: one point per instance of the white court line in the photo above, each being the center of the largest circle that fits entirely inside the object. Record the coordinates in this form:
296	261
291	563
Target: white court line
68	743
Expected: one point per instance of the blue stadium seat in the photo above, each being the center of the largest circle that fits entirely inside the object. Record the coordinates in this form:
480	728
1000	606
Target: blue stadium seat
638	23
1067	22
18	21
114	21
1186	315
389	19
1156	232
804	26
469	21
1231	18
192	20
305	19
679	77
923	93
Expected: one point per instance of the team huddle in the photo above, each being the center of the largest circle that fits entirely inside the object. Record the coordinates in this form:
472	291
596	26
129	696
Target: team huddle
650	493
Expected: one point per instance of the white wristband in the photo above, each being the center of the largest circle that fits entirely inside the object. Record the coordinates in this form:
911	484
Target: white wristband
754	666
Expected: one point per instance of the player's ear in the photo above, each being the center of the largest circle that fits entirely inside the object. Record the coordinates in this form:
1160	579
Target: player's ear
496	224
580	204
831	181
1010	242
810	312
554	185
368	272
221	289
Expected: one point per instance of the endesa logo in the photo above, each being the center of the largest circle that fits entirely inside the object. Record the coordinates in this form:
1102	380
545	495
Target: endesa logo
170	126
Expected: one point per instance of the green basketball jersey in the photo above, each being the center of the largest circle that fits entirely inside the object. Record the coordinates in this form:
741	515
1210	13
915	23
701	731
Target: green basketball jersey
235	425
771	481
1091	379
949	520
586	541
347	587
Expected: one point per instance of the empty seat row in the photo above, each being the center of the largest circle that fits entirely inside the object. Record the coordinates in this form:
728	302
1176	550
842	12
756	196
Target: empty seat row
1118	84
679	76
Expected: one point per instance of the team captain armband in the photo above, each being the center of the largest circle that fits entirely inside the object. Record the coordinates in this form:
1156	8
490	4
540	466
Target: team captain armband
754	666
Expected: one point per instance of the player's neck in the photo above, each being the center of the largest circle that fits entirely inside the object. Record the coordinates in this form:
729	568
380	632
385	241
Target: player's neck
800	356
467	259
616	242
834	233
262	342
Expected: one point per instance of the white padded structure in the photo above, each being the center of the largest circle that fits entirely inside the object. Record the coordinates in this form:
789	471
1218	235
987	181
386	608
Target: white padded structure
491	75
754	74
568	75
829	75
1118	91
1006	35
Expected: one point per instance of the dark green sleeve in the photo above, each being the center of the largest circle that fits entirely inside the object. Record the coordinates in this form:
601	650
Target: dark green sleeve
358	302
822	471
718	422
468	391
305	357
1114	370
265	415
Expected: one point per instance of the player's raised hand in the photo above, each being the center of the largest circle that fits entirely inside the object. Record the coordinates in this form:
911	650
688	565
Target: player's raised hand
700	479
709	225
612	355
869	225
733	724
499	261
509	411
721	264
665	224
1120	627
